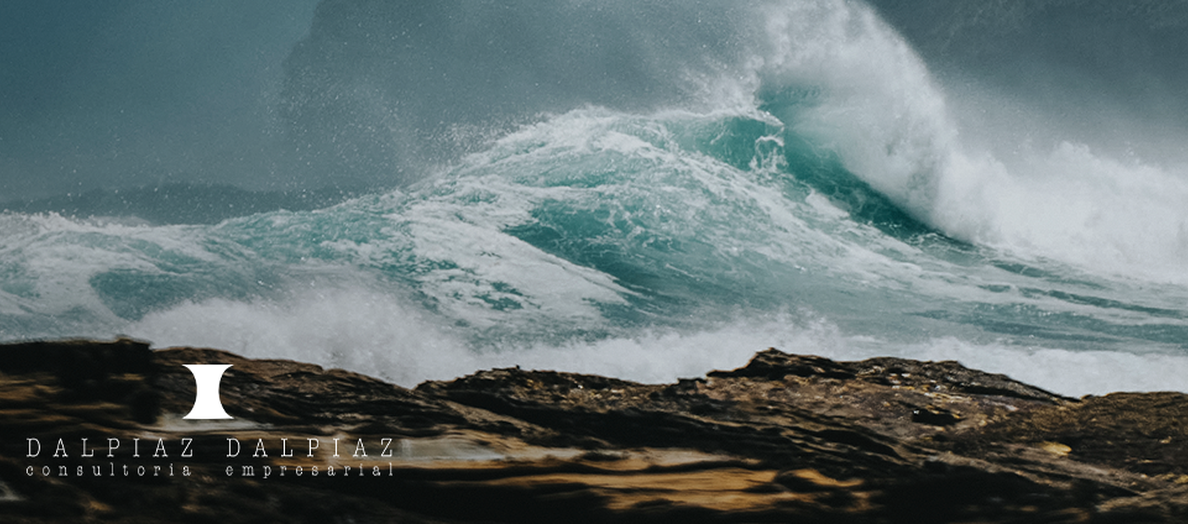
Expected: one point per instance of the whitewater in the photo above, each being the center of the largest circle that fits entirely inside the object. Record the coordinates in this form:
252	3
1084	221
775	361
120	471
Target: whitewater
804	183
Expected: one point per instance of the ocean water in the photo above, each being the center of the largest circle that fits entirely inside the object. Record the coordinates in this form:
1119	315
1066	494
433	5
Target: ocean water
793	176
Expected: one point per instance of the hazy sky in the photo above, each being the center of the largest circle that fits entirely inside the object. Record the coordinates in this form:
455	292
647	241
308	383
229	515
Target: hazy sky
133	92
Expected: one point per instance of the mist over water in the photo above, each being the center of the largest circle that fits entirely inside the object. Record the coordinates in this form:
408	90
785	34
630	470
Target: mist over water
1108	74
125	93
641	189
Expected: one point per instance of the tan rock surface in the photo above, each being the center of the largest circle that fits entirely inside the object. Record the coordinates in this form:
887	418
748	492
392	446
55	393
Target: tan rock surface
787	438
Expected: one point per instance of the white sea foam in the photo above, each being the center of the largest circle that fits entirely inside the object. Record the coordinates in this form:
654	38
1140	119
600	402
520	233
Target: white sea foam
1068	372
664	357
381	336
1072	205
50	259
354	329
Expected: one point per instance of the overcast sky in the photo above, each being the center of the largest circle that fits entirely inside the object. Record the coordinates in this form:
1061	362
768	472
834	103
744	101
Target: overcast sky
127	92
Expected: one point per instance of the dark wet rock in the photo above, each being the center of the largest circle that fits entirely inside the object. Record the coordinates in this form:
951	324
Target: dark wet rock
787	438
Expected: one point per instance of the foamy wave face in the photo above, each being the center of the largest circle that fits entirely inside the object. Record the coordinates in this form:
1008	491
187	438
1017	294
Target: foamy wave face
1091	211
592	225
866	96
842	79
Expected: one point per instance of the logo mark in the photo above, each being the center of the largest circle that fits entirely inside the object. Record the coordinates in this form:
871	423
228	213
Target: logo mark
207	404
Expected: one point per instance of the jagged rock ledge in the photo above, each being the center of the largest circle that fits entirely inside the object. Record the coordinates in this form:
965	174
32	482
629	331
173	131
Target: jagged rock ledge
787	438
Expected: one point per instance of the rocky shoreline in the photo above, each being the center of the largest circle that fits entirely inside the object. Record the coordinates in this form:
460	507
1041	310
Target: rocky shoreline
787	438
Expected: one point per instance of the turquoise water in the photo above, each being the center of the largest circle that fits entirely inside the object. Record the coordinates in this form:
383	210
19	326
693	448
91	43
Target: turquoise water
802	206
589	230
